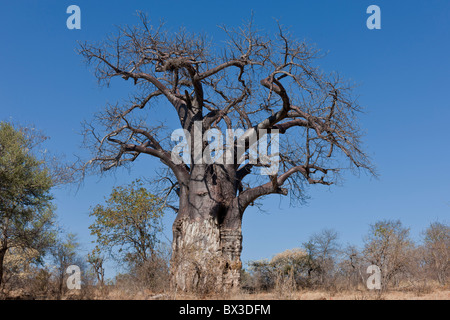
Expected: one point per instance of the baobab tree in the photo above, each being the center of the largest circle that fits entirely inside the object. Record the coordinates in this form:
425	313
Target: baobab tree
261	84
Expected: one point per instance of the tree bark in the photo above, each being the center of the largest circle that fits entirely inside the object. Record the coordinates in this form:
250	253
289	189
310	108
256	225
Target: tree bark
2	259
207	235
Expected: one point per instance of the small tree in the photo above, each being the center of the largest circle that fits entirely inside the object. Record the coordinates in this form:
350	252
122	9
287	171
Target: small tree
96	261
262	274
437	250
321	251
351	269
129	224
26	213
64	254
388	246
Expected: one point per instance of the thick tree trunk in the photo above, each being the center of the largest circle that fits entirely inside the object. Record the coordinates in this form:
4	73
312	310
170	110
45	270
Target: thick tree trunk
207	237
205	256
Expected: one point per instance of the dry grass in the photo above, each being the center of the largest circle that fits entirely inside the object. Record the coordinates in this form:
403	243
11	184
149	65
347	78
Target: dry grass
298	295
283	291
437	294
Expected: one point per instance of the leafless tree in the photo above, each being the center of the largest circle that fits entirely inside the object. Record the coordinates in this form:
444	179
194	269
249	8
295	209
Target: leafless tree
253	82
64	254
322	249
352	268
437	250
388	246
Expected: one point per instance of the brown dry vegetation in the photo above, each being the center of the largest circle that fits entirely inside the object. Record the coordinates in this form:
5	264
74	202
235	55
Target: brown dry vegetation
116	294
320	270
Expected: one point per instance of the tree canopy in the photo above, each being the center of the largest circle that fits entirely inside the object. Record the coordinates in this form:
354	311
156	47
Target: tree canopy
129	223
26	211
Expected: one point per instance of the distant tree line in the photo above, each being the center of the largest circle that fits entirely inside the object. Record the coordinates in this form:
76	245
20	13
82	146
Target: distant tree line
323	263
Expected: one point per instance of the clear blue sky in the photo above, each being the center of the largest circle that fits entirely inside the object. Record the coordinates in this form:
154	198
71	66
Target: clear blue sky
404	76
